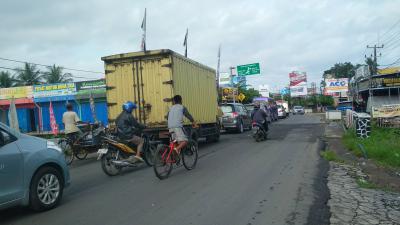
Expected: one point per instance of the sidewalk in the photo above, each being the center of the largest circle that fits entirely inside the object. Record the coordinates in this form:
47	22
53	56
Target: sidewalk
349	203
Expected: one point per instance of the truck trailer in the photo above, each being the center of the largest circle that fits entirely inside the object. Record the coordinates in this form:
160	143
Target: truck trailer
151	79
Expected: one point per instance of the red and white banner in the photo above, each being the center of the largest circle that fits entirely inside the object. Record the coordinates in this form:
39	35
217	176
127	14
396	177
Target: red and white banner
53	123
297	78
298	83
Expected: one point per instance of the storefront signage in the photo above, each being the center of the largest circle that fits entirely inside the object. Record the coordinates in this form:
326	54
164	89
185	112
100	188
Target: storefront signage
386	111
16	92
53	90
88	86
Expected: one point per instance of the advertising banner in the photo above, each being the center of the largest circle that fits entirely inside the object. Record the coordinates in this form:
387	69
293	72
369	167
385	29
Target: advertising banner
297	91
263	89
298	78
386	111
16	92
298	83
239	80
91	87
53	90
224	79
336	85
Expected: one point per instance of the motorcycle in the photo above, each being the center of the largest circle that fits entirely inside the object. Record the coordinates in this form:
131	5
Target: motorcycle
259	133
88	141
114	153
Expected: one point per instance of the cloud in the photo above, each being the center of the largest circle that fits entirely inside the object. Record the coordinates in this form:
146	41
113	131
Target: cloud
282	35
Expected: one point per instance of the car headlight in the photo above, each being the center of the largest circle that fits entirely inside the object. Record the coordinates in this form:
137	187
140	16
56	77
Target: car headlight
54	146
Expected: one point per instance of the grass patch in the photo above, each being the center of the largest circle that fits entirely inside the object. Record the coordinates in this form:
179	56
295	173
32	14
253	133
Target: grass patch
383	145
330	156
366	184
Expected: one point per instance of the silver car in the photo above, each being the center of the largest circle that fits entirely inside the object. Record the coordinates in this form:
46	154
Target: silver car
33	171
298	110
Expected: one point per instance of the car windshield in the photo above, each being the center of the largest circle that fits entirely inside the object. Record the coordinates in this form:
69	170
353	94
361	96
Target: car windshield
226	108
298	107
249	107
9	129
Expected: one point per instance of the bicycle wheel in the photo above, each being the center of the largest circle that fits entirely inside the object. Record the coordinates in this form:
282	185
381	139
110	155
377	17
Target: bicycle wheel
67	150
149	155
162	168
190	155
81	154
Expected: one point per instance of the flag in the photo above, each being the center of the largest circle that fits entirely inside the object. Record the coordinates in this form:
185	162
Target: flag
185	41
143	46
92	108
12	115
53	123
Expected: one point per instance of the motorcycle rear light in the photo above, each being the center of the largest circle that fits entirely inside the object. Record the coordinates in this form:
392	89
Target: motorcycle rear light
235	114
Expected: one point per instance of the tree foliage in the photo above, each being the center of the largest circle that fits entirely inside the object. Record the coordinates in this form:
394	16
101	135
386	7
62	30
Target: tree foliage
28	75
341	70
55	74
249	93
6	79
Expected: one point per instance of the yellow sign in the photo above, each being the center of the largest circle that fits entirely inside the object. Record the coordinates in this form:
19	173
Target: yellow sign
16	92
386	111
229	91
390	70
241	97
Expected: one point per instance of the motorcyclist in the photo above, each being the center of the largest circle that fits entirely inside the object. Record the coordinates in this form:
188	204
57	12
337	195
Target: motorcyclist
260	116
129	129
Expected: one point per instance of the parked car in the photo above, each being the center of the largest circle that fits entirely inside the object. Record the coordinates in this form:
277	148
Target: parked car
343	106
298	110
33	171
282	112
236	117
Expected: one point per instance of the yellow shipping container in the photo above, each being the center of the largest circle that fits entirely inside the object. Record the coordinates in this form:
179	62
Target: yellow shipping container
152	78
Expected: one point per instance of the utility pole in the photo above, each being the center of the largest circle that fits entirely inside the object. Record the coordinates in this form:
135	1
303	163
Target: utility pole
374	69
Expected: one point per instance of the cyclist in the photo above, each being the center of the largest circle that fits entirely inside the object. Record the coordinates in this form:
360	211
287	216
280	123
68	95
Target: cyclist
175	122
70	119
260	116
129	129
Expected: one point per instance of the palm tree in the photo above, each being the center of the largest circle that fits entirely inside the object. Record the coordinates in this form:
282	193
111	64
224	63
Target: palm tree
55	75
6	80
28	75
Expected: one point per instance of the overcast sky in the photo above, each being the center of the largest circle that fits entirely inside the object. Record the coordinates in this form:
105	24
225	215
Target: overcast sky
281	35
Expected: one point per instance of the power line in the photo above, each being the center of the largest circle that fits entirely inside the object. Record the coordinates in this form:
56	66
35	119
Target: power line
43	73
391	28
37	64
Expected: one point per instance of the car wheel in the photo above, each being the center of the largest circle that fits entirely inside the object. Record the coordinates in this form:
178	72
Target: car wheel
46	189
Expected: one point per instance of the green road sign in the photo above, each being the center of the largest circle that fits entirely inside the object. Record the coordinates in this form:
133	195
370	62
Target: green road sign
249	69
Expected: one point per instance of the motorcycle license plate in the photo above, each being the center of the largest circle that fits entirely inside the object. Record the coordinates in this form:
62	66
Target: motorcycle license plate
102	151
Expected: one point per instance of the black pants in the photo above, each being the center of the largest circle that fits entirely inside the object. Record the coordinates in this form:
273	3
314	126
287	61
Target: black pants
265	125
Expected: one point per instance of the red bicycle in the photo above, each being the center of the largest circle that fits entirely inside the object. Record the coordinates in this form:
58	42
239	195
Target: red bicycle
166	157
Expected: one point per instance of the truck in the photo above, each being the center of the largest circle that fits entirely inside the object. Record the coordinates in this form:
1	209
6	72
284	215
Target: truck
151	79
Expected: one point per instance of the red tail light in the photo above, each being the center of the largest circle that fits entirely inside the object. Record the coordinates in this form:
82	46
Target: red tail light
235	114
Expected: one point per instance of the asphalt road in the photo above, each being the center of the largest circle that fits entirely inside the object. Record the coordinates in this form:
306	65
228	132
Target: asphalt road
236	181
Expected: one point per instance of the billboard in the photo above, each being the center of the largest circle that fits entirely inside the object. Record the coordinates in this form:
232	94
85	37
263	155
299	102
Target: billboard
263	89
298	83
241	80
336	85
298	78
297	91
224	79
